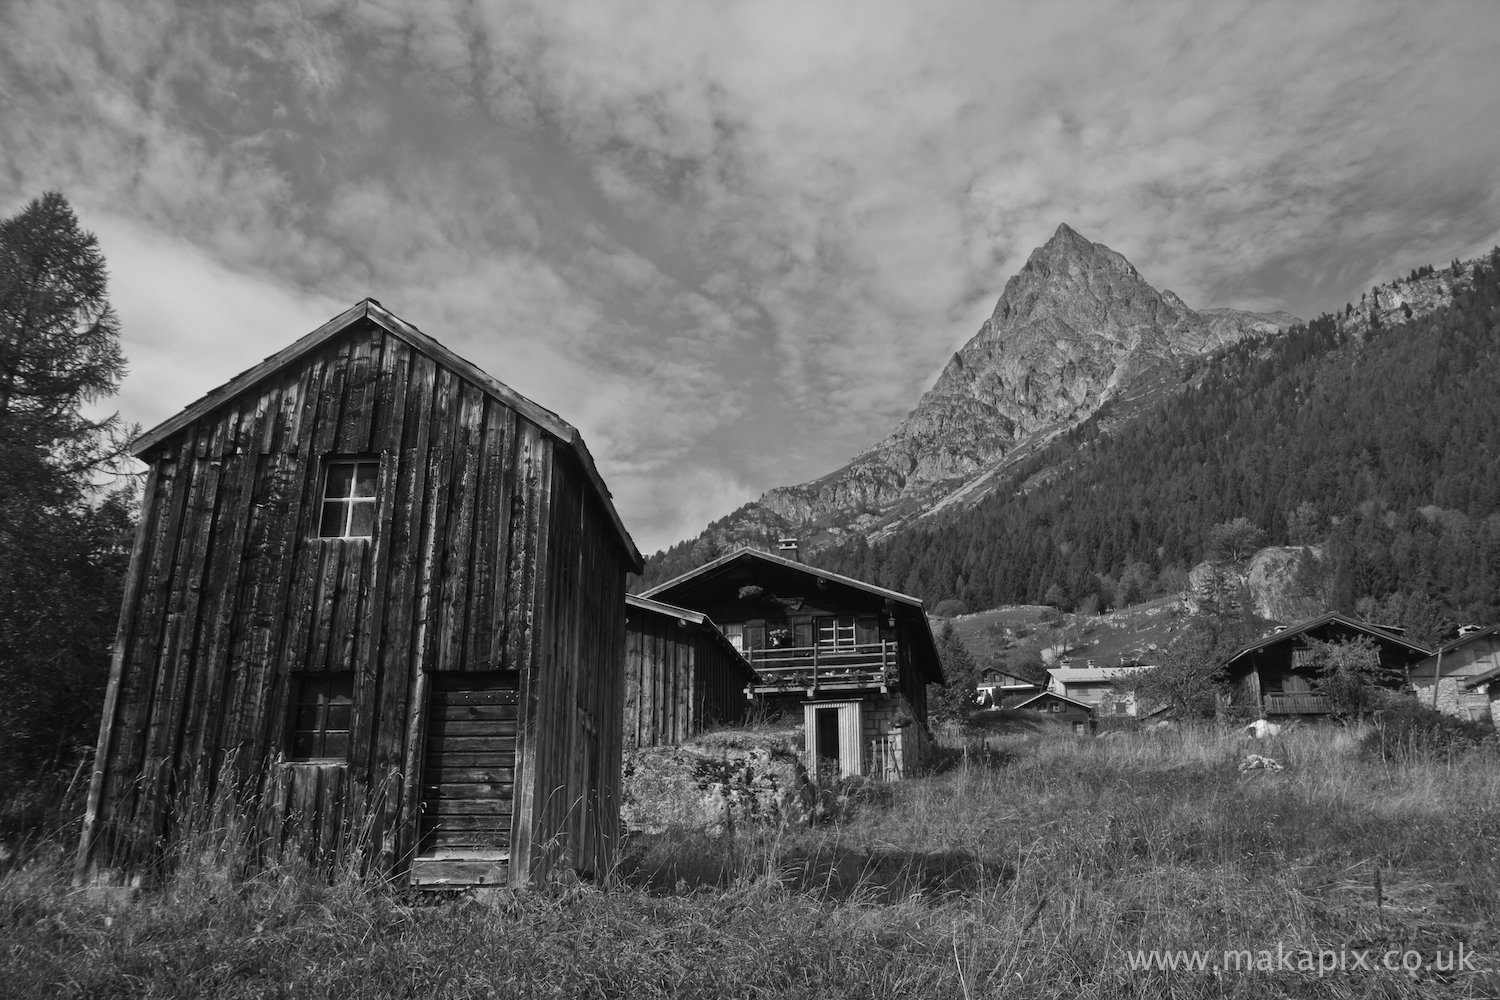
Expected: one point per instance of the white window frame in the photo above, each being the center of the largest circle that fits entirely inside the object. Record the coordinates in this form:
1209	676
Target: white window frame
350	502
836	633
735	633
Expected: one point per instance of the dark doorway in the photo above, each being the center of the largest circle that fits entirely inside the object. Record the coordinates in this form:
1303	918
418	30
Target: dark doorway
828	736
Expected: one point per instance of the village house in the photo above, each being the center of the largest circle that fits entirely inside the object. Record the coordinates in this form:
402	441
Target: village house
1277	677
682	674
375	609
1456	679
998	689
850	659
1101	688
1070	711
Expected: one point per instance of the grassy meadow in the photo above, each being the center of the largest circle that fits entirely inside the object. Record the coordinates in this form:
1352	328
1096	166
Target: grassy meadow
1035	870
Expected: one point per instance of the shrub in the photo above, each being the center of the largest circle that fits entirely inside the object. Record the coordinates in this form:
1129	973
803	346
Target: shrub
1405	726
950	608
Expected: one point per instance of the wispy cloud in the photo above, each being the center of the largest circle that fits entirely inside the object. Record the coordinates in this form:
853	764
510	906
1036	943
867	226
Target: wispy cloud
732	242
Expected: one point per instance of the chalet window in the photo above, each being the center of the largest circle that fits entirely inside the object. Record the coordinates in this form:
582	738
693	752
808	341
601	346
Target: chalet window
322	707
735	633
348	498
1302	658
835	633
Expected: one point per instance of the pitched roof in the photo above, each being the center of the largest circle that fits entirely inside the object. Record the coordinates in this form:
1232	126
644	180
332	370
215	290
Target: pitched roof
371	310
696	618
1470	637
1330	618
723	560
1003	680
1060	697
1086	675
925	642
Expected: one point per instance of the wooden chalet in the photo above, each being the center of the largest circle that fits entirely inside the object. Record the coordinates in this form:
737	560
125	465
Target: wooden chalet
375	609
852	658
1455	679
998	689
1070	711
1275	676
682	674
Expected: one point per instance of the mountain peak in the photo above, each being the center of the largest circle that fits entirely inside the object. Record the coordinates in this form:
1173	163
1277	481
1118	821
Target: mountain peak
1074	328
1066	234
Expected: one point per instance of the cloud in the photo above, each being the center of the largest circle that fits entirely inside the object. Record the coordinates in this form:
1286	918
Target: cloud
734	242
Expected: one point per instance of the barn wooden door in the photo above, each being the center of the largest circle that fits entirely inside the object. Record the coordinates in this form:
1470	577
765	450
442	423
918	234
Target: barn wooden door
468	779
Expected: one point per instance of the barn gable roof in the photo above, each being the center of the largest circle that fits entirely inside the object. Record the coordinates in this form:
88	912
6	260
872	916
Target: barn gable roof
723	560
371	310
1332	618
696	618
1057	697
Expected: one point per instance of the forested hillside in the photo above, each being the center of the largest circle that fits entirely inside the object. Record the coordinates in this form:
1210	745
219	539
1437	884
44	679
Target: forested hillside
1383	445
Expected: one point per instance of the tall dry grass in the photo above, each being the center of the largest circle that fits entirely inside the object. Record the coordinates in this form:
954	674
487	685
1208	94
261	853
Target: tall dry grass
1033	878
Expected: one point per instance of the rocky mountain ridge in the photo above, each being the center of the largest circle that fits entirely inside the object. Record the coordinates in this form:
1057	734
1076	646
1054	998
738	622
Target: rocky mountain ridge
1077	327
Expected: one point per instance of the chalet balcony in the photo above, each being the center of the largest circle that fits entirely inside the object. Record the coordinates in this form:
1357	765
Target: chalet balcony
1300	703
868	666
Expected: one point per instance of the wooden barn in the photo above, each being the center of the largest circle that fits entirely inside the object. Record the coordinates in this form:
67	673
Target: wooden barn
1276	676
851	659
376	610
682	674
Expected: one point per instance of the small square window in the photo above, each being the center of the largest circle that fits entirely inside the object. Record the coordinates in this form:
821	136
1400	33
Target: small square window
348	499
322	708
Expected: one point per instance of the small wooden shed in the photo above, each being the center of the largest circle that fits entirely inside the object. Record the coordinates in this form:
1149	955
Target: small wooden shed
375	609
682	675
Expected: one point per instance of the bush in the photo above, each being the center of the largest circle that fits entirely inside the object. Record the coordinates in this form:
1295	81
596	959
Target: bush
950	607
1405	726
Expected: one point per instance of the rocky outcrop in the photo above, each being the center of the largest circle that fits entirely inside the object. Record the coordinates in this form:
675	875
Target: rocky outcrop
717	783
1404	299
1281	583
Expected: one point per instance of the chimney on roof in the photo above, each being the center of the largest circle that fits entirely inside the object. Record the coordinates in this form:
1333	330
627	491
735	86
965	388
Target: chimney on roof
1466	629
788	548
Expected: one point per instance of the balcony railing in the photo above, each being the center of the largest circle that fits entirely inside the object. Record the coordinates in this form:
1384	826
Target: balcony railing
860	667
1295	704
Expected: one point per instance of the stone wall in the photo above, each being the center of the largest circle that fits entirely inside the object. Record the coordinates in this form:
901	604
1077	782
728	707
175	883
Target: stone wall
1453	698
891	750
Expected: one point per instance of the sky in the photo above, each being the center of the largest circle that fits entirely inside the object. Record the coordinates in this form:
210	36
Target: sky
732	243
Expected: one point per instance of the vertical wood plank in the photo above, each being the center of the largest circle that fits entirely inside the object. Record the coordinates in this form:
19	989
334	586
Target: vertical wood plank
459	556
446	406
525	619
396	649
105	748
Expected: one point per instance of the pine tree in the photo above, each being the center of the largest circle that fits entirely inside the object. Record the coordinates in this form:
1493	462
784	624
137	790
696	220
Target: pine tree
961	672
62	545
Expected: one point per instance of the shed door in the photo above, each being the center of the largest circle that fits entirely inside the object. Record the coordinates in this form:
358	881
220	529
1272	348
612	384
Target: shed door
468	778
833	734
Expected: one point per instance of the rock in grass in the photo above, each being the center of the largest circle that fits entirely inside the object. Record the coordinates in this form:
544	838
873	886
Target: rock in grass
713	786
1255	762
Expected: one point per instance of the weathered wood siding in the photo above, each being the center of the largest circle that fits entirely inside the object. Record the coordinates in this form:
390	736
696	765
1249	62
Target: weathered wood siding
679	679
489	554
